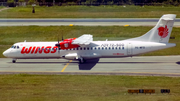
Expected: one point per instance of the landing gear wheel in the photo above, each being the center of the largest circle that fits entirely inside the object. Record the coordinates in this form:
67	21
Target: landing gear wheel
14	61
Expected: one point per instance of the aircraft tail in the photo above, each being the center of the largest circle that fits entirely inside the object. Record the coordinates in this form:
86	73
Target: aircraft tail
161	32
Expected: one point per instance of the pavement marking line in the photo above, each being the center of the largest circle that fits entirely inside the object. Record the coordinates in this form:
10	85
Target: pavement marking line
126	25
66	66
71	25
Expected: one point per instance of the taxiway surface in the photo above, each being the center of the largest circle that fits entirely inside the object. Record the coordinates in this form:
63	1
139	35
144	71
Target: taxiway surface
84	22
139	65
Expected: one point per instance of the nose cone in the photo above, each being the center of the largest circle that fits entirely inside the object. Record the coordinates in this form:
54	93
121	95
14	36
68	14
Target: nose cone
5	53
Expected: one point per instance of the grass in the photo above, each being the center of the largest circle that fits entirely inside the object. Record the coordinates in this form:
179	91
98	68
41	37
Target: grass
90	12
1	7
11	35
21	87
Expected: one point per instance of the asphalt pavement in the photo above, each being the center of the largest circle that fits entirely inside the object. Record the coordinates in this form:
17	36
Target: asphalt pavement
138	65
84	22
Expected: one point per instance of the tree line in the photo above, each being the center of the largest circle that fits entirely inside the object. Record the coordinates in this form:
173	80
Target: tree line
97	2
112	2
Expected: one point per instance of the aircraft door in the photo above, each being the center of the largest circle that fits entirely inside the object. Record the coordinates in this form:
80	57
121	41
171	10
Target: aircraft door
129	49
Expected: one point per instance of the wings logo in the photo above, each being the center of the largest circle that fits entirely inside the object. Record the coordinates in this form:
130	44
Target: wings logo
35	50
163	31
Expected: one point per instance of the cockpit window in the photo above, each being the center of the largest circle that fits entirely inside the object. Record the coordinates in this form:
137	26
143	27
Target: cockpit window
12	46
15	47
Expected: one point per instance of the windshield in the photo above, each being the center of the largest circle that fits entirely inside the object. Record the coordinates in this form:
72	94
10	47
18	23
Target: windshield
15	47
12	46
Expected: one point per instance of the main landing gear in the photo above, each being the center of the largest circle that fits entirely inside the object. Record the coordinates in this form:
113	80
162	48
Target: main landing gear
14	60
81	60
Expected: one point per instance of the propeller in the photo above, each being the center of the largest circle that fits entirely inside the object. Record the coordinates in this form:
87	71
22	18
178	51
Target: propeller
58	45
62	38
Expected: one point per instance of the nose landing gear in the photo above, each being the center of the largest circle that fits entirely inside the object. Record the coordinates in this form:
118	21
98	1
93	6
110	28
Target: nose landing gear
14	60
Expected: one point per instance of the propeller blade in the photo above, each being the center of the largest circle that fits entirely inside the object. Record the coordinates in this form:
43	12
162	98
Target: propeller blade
58	50
58	45
58	40
62	38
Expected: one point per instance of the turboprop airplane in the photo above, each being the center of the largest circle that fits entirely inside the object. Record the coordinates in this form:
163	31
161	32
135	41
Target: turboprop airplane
84	48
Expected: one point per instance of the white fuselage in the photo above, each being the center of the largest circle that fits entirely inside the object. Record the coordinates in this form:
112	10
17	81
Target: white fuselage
96	49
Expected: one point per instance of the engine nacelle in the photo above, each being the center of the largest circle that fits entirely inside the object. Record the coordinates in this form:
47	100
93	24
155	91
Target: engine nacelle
67	44
74	56
71	56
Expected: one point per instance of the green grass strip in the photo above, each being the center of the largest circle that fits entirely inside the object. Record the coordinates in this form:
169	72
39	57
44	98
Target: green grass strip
22	87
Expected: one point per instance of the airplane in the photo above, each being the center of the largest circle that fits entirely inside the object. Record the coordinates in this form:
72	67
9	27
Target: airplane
84	48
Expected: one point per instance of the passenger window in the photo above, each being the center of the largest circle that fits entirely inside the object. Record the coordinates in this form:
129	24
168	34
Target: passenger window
14	47
95	48
80	48
102	48
106	48
99	48
109	48
17	47
77	48
88	48
112	47
84	48
119	47
116	47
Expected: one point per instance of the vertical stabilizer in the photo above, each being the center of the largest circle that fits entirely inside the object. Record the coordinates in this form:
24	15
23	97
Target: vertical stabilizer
161	32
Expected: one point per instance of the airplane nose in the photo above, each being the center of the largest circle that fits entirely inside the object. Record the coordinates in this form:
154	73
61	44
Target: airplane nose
5	53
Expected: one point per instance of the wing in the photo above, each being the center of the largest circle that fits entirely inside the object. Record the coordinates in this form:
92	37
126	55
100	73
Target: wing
83	40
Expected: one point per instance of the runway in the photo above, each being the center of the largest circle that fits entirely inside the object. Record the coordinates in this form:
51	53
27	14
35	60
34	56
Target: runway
84	22
139	65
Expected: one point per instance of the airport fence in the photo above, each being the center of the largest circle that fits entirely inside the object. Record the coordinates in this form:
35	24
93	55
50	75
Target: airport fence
13	4
3	3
